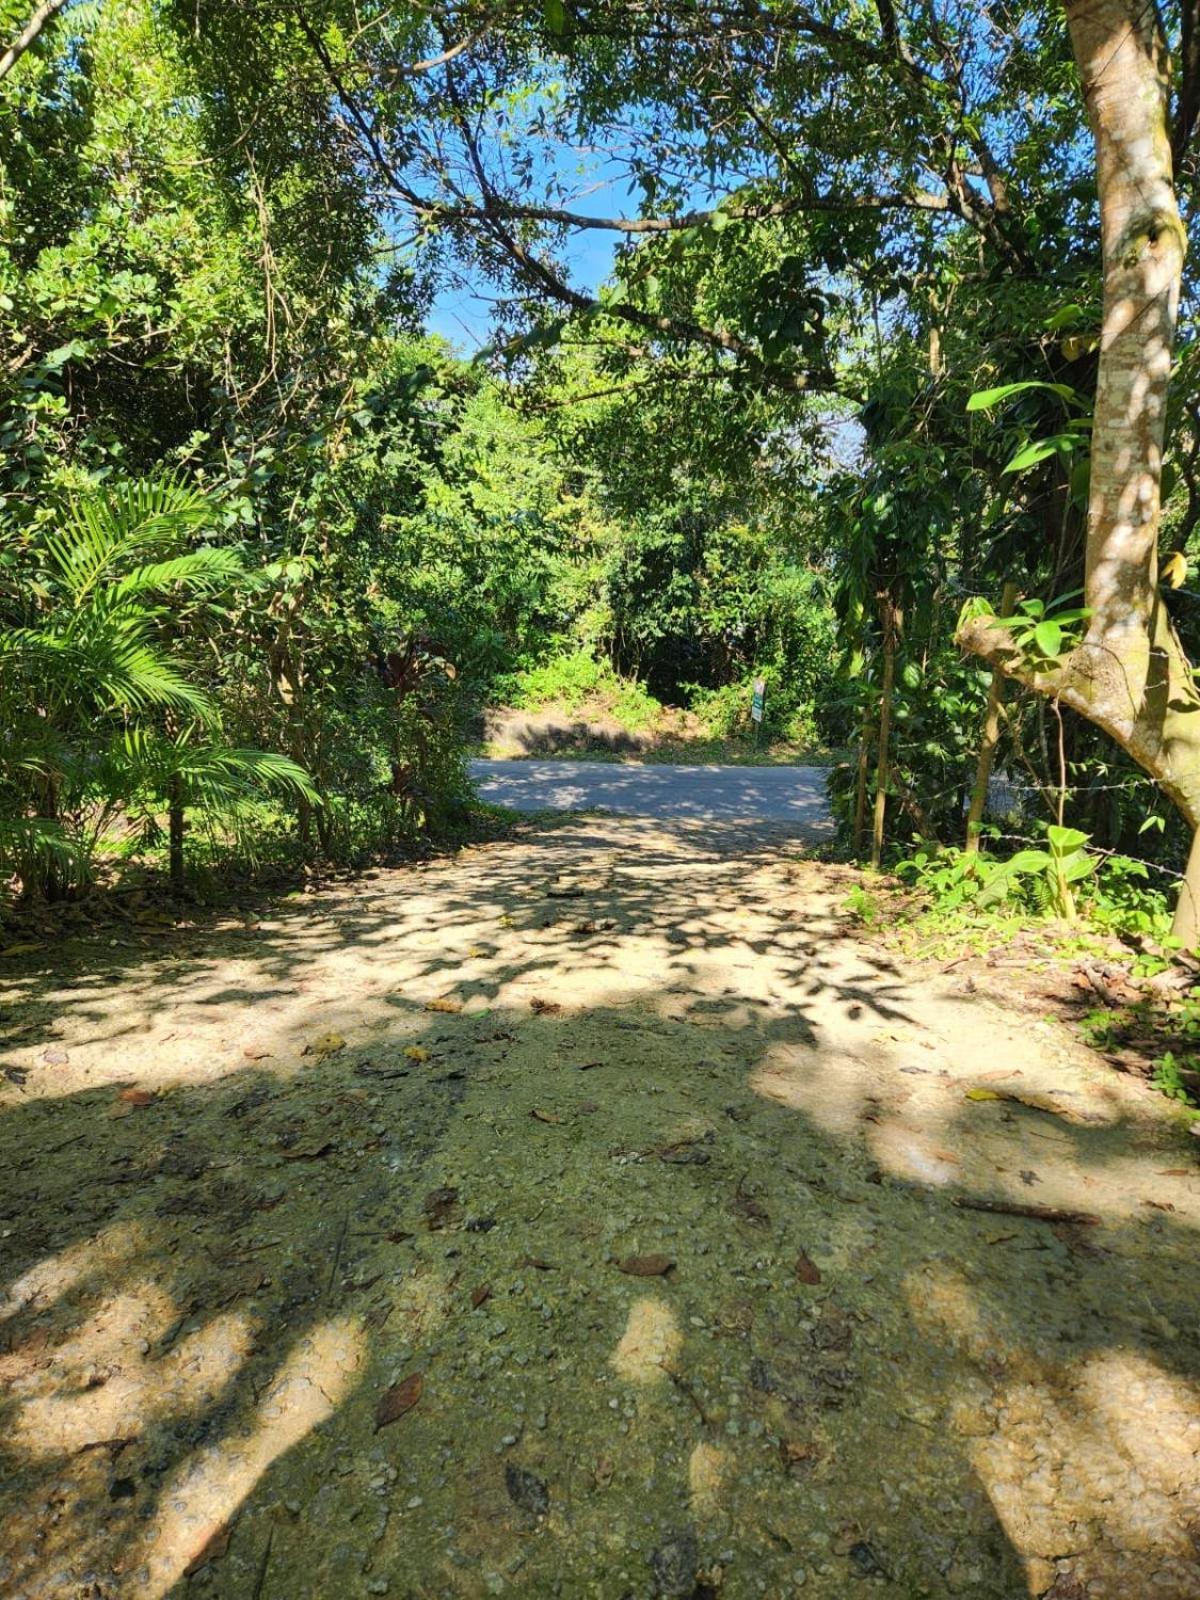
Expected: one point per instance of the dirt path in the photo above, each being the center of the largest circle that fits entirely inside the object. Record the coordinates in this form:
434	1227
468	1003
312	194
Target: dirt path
350	1295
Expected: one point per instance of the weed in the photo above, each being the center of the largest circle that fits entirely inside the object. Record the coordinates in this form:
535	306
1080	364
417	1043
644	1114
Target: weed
1177	1077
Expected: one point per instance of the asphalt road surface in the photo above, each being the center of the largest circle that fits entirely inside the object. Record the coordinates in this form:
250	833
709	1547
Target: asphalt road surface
745	794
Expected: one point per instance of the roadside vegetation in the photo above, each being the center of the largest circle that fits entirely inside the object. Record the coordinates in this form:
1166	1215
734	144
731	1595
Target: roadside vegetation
409	1199
838	417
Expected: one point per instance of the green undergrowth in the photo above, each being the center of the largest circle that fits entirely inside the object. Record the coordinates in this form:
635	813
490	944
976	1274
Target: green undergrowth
577	680
579	706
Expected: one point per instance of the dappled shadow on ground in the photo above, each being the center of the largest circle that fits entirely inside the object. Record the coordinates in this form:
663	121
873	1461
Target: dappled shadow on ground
720	794
316	1188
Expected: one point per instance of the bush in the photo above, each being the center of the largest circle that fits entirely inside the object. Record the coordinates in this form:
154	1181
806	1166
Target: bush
569	681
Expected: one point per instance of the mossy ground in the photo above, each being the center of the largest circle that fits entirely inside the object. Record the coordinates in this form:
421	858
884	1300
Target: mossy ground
262	1171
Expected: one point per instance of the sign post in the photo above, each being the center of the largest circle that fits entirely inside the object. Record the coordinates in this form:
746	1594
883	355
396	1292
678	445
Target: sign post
756	707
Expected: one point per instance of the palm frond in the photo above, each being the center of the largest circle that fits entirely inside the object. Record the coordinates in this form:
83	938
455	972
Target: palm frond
114	526
199	570
210	772
38	840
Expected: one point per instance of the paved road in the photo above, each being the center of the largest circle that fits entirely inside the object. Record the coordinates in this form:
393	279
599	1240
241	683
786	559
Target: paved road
744	794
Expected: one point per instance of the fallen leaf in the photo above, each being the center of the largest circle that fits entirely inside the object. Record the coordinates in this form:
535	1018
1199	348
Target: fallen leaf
545	1116
398	1400
136	1097
438	1204
983	1094
647	1266
602	1472
806	1270
416	1052
326	1044
213	1548
1175	1172
307	1152
480	1295
254	1053
55	1056
23	949
449	1003
545	1008
538	1262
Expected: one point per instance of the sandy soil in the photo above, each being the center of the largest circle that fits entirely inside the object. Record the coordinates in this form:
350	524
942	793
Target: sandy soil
594	1214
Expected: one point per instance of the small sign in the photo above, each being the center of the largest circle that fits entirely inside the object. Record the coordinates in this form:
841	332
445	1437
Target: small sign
756	704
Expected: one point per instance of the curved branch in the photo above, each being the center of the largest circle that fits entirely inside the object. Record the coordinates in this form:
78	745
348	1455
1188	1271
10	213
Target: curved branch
29	35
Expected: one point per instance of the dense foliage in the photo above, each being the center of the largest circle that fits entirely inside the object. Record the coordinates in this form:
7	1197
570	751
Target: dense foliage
836	384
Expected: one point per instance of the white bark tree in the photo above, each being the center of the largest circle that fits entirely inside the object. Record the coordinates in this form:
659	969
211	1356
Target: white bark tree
1129	674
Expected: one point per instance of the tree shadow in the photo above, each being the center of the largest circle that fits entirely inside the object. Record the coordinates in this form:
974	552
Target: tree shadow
842	1372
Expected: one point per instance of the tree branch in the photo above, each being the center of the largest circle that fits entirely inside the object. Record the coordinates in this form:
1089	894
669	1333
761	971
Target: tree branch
29	34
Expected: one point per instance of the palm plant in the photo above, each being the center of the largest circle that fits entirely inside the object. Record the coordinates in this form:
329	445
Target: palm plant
99	701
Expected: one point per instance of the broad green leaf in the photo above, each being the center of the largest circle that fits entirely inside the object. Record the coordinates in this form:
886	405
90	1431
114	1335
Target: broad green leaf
1063	840
1028	861
1076	867
1048	637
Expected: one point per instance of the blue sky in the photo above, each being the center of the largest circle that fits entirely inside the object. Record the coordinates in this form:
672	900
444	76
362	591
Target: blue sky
461	314
594	185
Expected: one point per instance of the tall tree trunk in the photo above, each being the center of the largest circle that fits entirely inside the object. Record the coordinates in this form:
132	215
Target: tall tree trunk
175	824
860	782
889	617
991	734
1129	675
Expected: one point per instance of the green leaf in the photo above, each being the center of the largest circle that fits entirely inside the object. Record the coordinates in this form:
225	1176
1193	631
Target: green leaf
554	14
1040	449
1064	840
1065	317
985	399
1077	867
1028	861
1048	637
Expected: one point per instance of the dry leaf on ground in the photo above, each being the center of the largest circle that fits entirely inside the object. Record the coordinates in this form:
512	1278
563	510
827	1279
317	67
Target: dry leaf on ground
326	1044
806	1269
399	1399
656	1266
